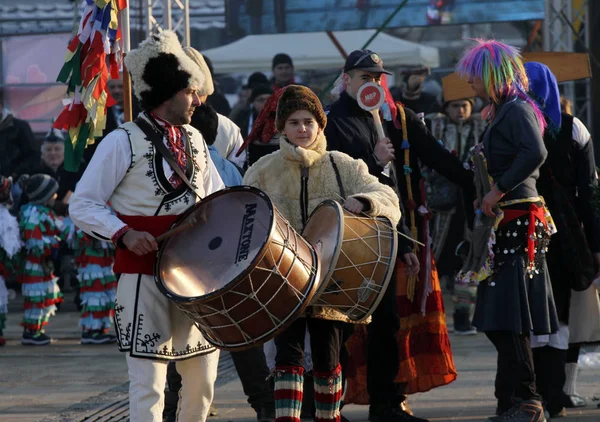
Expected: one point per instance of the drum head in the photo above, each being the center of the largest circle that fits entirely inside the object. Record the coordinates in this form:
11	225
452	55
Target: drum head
226	240
324	230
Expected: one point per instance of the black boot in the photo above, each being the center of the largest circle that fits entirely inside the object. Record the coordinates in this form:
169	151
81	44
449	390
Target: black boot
391	413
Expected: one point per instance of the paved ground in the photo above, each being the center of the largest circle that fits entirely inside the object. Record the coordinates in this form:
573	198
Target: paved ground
66	380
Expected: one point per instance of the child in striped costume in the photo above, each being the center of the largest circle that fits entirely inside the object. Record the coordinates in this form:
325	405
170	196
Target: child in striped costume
97	284
40	229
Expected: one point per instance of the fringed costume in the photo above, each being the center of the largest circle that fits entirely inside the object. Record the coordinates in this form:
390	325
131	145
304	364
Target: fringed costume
97	282
40	230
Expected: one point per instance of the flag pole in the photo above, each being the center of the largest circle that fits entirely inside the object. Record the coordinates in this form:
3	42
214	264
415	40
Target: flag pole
125	30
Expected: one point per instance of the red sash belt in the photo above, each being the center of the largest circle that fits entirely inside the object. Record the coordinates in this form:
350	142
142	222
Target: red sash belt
535	213
126	262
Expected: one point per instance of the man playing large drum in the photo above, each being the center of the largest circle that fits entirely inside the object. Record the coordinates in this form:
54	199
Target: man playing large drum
148	189
297	178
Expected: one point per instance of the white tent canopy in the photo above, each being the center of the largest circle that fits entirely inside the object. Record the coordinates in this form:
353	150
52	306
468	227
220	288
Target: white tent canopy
314	50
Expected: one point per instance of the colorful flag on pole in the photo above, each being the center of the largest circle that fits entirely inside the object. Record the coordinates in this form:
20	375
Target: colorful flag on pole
93	57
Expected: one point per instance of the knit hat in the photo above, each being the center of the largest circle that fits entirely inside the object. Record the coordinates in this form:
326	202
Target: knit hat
160	68
259	90
257	78
54	135
5	189
294	98
281	58
39	188
208	87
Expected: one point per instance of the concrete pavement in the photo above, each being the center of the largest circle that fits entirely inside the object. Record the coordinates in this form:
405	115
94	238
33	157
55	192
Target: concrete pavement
66	381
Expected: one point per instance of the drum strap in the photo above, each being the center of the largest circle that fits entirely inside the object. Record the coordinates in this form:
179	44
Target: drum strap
338	177
156	138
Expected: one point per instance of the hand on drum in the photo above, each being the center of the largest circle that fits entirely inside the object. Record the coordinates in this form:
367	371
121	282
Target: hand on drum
354	205
140	243
412	264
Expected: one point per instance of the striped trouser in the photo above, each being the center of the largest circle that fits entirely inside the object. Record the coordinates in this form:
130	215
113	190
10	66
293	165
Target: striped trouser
328	395
288	393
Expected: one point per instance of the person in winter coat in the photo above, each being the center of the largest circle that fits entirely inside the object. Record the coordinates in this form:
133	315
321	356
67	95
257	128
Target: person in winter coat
406	348
567	182
18	153
297	178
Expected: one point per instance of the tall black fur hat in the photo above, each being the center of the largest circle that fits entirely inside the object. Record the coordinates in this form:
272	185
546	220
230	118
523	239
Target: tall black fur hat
160	68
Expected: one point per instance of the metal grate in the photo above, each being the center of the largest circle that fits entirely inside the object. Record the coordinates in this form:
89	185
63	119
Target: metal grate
114	412
118	411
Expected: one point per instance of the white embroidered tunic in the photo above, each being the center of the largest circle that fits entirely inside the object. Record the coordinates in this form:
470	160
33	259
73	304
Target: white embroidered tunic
127	172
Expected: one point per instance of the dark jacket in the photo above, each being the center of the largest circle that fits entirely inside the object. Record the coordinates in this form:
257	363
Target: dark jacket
425	150
514	149
425	103
566	182
574	168
18	151
350	129
242	119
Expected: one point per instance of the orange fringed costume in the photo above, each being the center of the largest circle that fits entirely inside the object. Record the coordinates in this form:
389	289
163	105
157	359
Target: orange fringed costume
425	355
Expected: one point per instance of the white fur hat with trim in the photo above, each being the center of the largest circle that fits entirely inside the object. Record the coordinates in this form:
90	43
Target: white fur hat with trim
208	87
160	68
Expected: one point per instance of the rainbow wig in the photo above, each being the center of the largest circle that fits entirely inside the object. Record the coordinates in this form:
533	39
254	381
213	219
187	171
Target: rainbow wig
501	68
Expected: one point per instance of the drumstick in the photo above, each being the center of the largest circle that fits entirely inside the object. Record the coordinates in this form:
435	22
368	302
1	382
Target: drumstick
176	230
398	232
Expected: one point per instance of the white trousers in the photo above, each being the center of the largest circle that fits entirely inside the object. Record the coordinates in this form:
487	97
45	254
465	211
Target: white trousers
147	379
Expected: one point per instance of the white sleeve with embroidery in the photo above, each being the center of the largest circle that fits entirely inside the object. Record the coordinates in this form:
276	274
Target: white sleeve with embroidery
241	160
580	133
105	171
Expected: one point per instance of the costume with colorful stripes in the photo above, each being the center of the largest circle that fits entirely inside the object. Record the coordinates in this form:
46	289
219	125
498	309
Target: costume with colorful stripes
40	229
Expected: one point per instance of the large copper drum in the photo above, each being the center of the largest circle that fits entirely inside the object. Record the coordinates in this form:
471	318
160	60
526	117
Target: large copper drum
357	257
240	271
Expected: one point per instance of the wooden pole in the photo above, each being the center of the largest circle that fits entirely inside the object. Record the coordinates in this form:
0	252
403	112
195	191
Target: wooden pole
125	30
366	44
337	44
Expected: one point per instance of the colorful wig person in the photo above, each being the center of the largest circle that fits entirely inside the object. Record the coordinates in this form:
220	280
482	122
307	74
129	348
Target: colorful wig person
512	229
495	71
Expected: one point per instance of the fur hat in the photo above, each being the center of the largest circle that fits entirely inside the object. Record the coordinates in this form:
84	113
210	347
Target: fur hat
294	98
160	68
208	87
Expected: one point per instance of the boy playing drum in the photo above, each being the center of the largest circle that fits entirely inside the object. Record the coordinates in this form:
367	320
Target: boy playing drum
297	178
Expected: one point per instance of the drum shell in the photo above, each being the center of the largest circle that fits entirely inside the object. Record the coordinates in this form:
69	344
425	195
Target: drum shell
254	308
357	272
